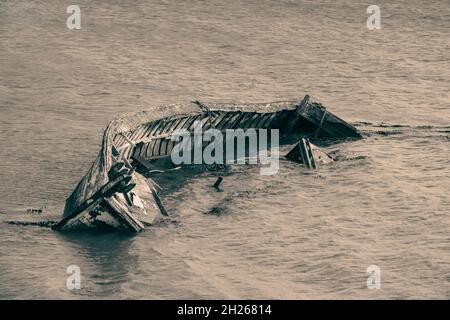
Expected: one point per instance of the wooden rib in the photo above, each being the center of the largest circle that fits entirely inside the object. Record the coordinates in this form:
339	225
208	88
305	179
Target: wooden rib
191	122
204	120
163	147
255	120
173	122
170	145
269	121
148	148
128	140
215	115
264	117
125	150
176	123
224	121
155	149
137	150
159	136
235	117
138	132
162	129
148	130
208	121
180	124
151	147
242	120
219	119
118	140
154	128
231	117
130	152
250	120
142	150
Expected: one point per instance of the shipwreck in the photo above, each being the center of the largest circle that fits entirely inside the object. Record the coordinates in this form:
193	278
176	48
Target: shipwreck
118	193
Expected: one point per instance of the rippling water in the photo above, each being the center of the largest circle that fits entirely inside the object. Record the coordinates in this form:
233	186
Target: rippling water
298	234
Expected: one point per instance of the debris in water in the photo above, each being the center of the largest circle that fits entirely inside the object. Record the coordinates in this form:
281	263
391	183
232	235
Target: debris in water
46	224
310	155
217	184
216	211
34	210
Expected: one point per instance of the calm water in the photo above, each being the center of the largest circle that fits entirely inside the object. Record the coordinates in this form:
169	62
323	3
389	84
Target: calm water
299	234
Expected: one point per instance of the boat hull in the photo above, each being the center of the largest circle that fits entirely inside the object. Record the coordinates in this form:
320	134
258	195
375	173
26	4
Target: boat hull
130	202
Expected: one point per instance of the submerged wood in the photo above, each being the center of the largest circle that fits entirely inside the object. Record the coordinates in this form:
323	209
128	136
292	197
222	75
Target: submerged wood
143	139
309	154
217	183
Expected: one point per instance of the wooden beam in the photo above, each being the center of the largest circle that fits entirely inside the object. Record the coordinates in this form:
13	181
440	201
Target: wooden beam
92	202
298	113
124	214
310	155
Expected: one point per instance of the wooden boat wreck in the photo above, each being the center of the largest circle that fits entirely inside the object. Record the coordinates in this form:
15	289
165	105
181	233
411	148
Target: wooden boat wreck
116	193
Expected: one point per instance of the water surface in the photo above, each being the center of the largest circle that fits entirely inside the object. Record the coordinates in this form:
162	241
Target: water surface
298	234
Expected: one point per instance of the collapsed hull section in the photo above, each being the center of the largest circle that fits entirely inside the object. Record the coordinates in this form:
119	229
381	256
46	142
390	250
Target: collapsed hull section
102	217
116	206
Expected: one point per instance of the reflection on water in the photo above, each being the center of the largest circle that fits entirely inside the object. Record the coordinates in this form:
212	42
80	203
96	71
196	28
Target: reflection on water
105	260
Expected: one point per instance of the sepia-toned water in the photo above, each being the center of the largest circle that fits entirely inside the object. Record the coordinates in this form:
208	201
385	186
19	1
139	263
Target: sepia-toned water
298	234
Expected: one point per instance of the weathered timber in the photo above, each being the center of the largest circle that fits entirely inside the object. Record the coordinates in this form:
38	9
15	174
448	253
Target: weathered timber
326	124
142	142
217	183
91	203
309	154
